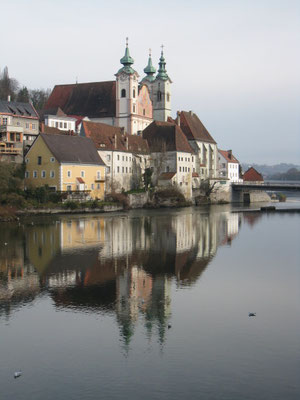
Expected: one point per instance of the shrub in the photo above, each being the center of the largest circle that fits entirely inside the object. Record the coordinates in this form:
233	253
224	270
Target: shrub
120	198
281	197
71	205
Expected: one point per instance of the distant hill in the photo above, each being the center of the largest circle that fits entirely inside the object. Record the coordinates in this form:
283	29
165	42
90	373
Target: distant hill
268	171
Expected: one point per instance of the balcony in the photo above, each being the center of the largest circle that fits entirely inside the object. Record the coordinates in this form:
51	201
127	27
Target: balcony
99	179
10	150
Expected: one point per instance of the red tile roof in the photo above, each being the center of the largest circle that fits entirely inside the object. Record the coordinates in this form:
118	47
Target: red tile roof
166	176
52	130
195	175
94	100
166	136
80	180
251	175
229	157
193	127
107	137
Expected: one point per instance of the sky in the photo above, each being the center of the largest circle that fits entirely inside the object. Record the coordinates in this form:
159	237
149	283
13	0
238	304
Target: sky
235	63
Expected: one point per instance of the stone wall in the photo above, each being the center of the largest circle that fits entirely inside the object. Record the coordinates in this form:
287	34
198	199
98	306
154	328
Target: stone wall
138	200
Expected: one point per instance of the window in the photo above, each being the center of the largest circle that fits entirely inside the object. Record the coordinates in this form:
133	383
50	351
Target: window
52	174
108	157
118	169
123	93
52	159
4	121
56	124
82	174
133	108
168	96
34	174
98	185
27	125
43	174
39	160
92	186
144	111
65	125
26	174
118	157
108	170
126	170
159	95
60	124
122	158
27	160
134	93
122	169
98	174
69	174
179	169
69	188
168	168
126	158
33	126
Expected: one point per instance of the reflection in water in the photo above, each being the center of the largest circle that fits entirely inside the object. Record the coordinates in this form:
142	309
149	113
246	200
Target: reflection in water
122	265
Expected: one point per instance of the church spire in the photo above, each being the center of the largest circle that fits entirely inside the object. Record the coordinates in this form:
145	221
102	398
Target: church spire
127	61
149	70
162	72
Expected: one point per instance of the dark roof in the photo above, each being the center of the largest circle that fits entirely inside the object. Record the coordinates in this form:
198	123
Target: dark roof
166	176
51	111
94	100
73	149
166	136
229	157
107	137
251	175
193	127
18	109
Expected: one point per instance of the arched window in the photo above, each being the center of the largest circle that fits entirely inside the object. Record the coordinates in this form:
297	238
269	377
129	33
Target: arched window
168	96
134	93
123	93
159	95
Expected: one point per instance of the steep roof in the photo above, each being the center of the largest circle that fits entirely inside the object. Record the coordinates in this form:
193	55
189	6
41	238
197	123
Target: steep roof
72	149
18	109
193	128
166	136
251	175
107	137
166	176
94	99
229	157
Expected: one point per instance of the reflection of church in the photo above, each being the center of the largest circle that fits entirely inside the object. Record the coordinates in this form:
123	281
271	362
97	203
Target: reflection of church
123	265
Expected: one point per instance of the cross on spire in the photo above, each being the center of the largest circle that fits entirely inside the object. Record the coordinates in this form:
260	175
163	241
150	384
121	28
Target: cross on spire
127	41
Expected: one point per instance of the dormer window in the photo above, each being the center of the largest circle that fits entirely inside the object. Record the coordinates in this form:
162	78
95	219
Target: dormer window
123	93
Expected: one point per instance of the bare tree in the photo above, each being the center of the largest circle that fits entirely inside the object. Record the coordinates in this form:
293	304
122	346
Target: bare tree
8	86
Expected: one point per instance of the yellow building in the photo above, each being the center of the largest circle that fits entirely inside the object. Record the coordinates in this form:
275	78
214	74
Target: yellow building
66	164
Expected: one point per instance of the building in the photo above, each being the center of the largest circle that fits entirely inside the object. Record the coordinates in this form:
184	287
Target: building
19	126
204	146
126	156
253	176
229	166
172	159
67	164
124	102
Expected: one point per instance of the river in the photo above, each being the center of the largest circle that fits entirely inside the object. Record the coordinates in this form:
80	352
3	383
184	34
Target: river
152	305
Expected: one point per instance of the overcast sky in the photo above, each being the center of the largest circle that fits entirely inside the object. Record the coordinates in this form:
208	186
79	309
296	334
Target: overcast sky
235	63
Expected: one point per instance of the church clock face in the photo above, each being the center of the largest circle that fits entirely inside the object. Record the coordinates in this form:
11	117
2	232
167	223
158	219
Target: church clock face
123	77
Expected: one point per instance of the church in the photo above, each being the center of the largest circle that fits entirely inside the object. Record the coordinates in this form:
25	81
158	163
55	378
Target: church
124	102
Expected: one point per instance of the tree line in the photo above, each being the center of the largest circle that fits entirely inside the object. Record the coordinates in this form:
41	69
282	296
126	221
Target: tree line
11	87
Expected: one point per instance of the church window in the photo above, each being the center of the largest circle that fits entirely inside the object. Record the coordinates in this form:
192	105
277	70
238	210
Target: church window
133	108
168	96
168	168
159	95
144	112
134	93
123	93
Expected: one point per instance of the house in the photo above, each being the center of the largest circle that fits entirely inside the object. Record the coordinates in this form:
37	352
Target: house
253	176
124	102
172	159
126	156
19	126
67	164
204	146
229	166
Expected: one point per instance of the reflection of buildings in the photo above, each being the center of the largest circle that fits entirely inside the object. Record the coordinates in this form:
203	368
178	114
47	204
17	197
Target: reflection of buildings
125	265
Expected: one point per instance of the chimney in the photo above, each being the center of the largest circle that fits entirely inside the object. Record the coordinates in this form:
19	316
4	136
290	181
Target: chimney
229	154
191	113
8	98
115	140
178	118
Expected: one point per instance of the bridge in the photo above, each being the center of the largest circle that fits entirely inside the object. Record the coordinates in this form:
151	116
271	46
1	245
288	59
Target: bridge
249	192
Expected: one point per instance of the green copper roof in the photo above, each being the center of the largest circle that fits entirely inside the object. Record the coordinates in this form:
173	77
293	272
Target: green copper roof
127	61
149	70
162	72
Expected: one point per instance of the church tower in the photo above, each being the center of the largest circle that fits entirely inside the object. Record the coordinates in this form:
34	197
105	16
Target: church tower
161	92
127	94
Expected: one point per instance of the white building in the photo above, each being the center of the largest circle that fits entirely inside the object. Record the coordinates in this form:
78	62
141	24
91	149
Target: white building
229	166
